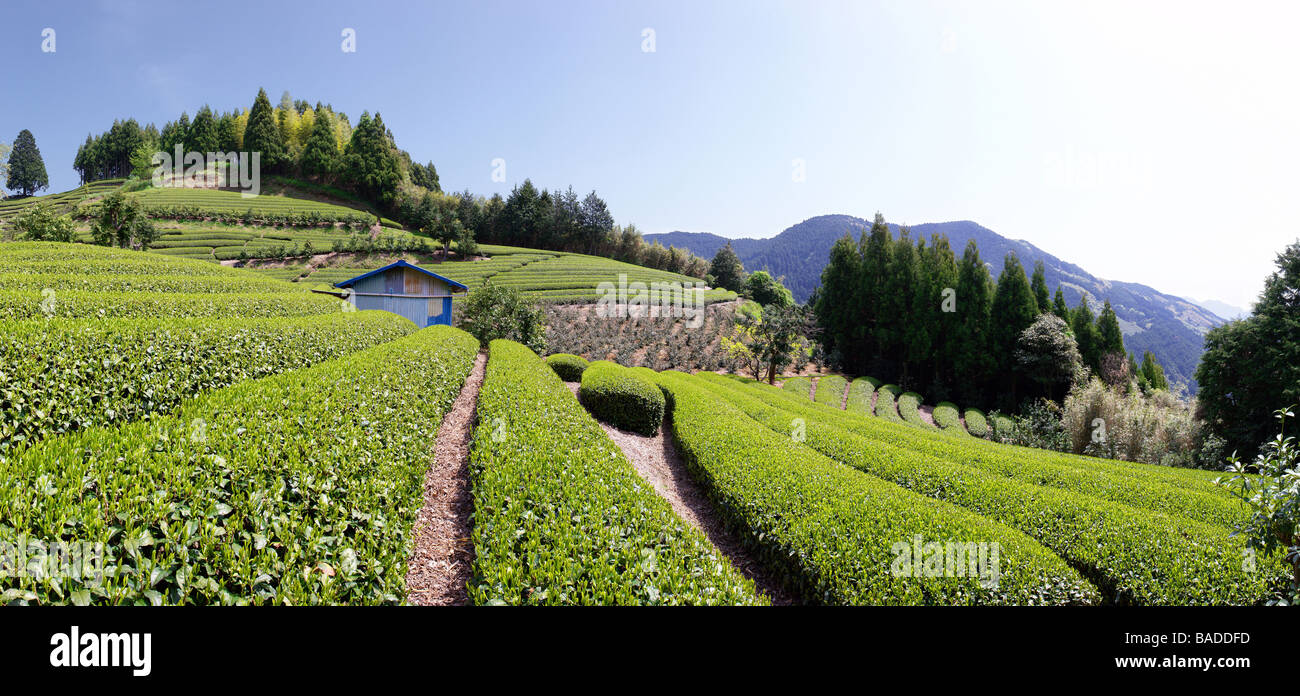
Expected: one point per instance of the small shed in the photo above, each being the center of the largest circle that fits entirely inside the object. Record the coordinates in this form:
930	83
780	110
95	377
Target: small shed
422	296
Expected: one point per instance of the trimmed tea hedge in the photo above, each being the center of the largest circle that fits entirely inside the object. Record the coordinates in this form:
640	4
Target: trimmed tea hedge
1116	546
798	385
560	515
830	390
77	304
60	375
947	416
909	408
885	404
830	531
301	488
976	423
624	399
568	366
860	392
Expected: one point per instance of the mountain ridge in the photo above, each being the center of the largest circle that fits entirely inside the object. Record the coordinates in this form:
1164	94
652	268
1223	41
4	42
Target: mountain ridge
1171	327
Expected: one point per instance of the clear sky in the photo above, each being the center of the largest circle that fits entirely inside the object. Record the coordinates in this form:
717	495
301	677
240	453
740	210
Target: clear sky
1153	142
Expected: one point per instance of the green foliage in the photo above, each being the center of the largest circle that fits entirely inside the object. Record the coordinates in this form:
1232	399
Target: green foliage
567	366
798	385
976	423
26	167
371	162
621	397
1128	424
830	390
1151	376
909	405
321	157
62	375
1105	518
1273	498
948	417
293	489
860	391
262	134
1084	327
1046	353
726	269
974	363
1014	310
39	223
886	403
832	532
1252	365
1110	339
502	312
767	291
94	304
121	222
767	339
1039	286
560	515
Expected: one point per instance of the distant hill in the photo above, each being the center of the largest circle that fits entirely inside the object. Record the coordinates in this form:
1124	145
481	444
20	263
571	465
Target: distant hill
1170	327
1223	309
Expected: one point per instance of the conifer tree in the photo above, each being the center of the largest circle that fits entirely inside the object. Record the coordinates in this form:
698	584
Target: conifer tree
26	168
726	269
1084	327
1014	309
1039	285
321	157
1059	307
973	359
1109	337
262	134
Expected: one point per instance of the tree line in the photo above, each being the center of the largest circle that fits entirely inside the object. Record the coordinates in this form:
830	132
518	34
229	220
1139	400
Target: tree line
912	313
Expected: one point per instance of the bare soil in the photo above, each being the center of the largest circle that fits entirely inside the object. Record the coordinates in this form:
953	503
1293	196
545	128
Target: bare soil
927	414
439	568
658	461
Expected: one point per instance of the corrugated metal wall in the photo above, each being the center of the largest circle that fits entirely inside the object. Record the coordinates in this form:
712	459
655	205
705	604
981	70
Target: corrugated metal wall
406	281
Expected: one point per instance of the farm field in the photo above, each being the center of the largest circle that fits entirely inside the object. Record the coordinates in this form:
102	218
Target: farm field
232	438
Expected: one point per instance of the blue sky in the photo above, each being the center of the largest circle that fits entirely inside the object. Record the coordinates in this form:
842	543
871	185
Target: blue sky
1146	141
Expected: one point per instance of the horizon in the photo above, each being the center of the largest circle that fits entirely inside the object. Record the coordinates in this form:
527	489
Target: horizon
1115	145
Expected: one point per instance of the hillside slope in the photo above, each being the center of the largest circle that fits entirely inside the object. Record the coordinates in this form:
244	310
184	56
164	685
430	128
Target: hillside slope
1170	327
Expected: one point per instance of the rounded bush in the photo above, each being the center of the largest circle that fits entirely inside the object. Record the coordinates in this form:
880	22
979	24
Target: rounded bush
618	396
976	423
568	366
948	416
909	408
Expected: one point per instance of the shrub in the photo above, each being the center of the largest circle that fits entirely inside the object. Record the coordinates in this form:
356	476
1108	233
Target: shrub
885	404
560	515
947	416
832	532
624	399
909	409
293	489
830	390
976	423
568	366
860	392
1155	429
40	223
798	385
501	312
61	375
1038	425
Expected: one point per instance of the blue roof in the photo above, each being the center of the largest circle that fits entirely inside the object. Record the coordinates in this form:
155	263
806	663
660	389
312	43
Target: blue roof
398	264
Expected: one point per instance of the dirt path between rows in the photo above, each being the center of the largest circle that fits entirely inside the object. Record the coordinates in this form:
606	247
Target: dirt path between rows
844	400
657	460
927	414
440	563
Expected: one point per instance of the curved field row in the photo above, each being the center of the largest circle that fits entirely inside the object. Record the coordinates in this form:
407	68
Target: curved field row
293	491
909	405
560	515
830	390
835	533
948	417
1114	544
886	404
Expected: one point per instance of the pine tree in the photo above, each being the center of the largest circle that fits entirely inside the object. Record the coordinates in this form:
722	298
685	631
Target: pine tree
973	361
1084	327
204	135
1039	285
1151	376
26	168
1014	309
875	250
1110	340
896	311
262	134
726	269
320	157
836	304
1059	307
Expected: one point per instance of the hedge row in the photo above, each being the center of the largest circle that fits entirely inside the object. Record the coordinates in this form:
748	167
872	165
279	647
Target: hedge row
798	385
625	399
60	375
568	366
886	407
860	391
1136	556
909	409
830	390
560	515
81	304
158	282
976	423
296	489
1151	488
947	416
831	532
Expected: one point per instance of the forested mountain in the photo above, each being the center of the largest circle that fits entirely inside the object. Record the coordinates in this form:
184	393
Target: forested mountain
1170	327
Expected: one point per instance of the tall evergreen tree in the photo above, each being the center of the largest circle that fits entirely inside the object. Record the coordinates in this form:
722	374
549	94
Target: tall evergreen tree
973	361
26	168
897	310
1059	308
1014	309
875	249
1084	326
321	157
262	134
836	303
1039	285
204	135
727	270
1110	339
